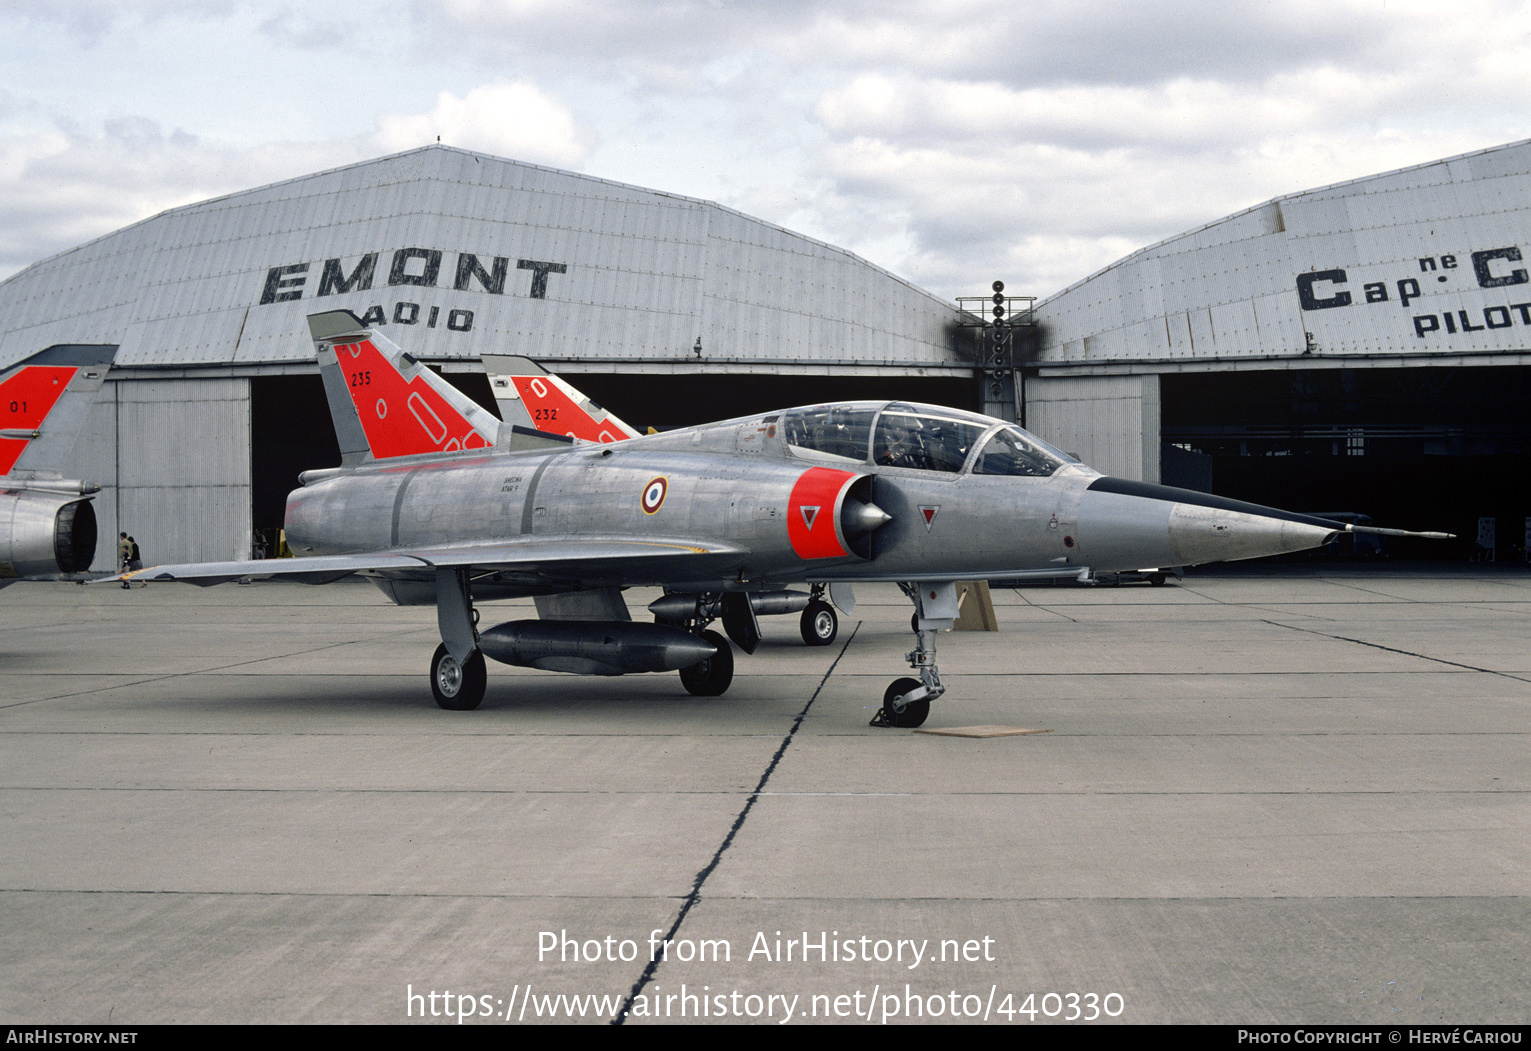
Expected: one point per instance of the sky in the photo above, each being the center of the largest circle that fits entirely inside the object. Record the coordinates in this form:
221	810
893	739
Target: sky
952	142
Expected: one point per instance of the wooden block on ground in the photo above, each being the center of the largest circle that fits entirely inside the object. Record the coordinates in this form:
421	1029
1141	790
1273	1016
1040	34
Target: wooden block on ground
980	731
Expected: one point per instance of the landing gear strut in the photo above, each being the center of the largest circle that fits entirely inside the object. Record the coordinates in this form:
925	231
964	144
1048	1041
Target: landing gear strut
457	670
906	703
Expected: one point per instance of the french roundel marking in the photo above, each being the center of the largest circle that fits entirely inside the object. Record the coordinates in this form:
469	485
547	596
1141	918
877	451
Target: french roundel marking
654	494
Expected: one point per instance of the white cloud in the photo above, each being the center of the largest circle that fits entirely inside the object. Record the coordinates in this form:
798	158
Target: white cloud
513	120
93	21
60	187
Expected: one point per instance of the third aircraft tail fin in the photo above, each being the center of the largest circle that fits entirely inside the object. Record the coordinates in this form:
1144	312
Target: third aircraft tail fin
530	396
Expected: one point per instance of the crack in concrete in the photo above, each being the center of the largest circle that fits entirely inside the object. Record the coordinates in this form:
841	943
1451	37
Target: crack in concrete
728	840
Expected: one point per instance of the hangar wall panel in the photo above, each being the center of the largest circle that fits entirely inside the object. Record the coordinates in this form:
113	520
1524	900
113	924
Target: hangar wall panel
183	468
94	459
1109	422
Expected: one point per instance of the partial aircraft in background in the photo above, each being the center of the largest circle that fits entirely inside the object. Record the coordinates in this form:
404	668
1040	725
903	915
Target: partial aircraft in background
47	524
439	503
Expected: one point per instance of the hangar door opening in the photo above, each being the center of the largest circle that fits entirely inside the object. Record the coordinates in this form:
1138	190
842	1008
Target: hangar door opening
290	432
1414	448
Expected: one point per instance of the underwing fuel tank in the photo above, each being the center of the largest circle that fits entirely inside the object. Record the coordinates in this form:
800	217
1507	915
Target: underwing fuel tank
1127	523
680	608
44	534
593	647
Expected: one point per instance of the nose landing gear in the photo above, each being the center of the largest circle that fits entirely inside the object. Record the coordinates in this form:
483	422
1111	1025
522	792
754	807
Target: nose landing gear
906	702
898	712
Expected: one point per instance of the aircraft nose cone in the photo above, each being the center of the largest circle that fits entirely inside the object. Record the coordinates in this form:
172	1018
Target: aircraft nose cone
1141	524
1209	534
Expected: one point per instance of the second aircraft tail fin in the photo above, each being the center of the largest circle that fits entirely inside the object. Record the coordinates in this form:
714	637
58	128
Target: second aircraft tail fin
385	403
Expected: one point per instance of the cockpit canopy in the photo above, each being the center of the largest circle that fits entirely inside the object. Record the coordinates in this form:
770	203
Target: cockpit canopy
921	438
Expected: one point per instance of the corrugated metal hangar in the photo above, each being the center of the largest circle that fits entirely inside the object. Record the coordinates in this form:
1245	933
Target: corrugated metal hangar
1357	348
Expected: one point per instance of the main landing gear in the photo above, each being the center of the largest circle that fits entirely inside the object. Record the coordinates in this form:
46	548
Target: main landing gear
585	633
458	677
906	702
458	687
711	677
819	623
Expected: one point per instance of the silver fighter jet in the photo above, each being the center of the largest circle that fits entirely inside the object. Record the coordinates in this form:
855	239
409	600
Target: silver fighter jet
47	524
437	502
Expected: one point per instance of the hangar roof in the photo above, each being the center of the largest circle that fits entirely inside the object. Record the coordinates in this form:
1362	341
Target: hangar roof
1425	261
463	253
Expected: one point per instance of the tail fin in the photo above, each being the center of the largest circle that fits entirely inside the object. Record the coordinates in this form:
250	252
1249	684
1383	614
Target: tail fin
384	402
43	403
530	396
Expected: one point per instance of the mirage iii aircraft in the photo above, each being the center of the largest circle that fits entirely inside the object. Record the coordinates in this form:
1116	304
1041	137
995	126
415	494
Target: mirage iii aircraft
437	502
47	524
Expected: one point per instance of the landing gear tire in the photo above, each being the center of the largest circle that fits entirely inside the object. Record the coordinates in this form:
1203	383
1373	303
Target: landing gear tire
711	677
913	714
819	624
457	687
1156	580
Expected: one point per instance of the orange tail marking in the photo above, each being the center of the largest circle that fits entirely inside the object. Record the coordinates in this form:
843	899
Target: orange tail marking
401	417
25	401
554	411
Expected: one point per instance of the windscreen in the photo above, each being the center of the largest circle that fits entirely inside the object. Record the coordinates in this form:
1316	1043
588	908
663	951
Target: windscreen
1014	452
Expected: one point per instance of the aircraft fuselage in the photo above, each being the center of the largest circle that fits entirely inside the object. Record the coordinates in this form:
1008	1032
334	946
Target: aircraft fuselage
791	512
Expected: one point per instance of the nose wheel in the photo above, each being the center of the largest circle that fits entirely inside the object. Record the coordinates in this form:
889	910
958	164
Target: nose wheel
457	687
897	712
